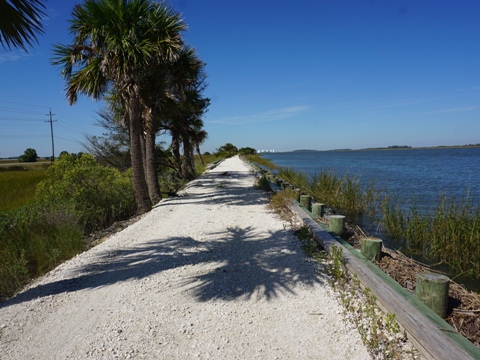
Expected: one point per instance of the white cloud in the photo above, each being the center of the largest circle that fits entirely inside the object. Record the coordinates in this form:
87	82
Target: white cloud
12	56
446	111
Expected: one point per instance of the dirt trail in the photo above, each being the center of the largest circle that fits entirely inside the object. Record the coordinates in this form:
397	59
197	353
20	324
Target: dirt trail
209	274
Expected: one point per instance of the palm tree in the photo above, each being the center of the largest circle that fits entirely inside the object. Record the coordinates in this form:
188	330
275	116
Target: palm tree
115	42
198	137
187	80
20	22
192	134
154	91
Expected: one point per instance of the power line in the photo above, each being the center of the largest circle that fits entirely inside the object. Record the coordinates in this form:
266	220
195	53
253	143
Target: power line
51	121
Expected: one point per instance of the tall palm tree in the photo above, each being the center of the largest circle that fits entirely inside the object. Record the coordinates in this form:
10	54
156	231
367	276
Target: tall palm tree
191	131
154	91
187	81
115	42
20	22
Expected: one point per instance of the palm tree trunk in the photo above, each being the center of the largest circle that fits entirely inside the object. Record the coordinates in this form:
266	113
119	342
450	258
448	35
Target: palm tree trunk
199	153
176	153
140	188
151	161
187	171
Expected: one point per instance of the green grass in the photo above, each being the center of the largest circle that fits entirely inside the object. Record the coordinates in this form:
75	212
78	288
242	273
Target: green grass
343	193
17	188
33	240
450	234
260	161
298	179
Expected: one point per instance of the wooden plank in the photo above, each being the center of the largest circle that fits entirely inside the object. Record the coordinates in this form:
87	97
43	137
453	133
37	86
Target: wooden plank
432	336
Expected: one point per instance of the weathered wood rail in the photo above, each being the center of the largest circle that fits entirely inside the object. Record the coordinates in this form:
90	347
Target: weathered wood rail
432	336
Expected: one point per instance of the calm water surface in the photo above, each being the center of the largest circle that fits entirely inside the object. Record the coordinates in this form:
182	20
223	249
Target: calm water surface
423	174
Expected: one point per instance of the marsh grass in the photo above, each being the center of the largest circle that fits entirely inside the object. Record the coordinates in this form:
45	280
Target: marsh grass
296	178
449	234
17	188
33	240
262	162
343	193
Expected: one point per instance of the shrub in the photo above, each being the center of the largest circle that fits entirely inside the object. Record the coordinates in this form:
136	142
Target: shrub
97	194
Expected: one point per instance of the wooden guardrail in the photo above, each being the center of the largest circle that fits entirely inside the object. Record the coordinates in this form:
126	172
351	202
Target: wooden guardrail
431	335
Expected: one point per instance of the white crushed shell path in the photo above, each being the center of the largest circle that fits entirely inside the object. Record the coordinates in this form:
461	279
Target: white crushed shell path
211	274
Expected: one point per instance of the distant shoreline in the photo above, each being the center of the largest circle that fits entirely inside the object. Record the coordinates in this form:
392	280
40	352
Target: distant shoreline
395	147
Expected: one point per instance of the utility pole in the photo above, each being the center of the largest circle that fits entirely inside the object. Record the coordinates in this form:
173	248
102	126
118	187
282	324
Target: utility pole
51	121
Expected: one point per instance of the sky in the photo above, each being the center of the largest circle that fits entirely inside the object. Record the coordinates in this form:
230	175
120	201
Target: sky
284	75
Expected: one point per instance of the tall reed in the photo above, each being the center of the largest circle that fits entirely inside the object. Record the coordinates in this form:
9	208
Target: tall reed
449	234
265	163
296	178
343	193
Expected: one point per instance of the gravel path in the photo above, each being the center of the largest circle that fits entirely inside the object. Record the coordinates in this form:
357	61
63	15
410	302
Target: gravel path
211	274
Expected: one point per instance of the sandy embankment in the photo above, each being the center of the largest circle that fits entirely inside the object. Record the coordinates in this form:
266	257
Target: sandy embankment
209	274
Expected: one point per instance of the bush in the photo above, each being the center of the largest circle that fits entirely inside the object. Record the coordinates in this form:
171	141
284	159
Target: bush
97	194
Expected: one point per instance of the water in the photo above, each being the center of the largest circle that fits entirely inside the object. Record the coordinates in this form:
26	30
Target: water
420	174
423	174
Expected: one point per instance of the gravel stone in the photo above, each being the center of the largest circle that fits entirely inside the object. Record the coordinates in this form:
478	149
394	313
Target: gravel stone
210	274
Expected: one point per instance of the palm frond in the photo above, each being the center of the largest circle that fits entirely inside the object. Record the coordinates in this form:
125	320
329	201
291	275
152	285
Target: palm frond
20	23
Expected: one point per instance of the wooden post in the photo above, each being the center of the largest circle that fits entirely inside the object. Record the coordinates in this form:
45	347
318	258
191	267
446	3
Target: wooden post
306	201
318	209
372	248
336	223
432	290
297	192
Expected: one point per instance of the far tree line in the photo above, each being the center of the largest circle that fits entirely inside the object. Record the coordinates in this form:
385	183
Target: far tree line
110	150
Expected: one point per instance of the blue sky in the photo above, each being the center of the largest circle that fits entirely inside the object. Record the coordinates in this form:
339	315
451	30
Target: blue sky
323	74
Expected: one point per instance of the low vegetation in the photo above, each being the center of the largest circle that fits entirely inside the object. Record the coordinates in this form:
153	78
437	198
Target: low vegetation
450	234
34	239
342	193
452	218
262	162
74	197
17	188
97	195
379	332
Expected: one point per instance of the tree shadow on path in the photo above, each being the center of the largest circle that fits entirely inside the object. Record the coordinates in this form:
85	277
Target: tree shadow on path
239	262
242	264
